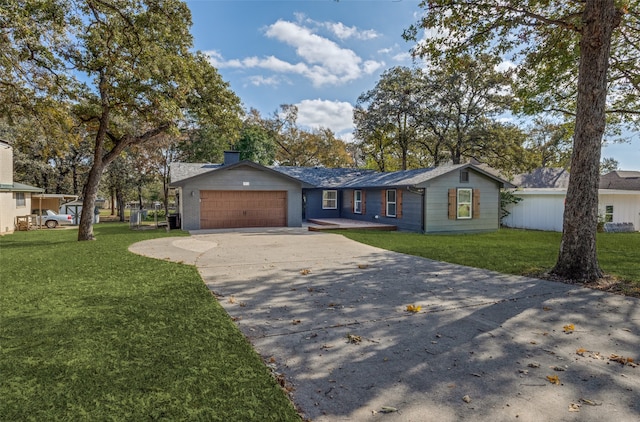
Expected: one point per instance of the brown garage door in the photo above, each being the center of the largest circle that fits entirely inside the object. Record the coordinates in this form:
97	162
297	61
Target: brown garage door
234	209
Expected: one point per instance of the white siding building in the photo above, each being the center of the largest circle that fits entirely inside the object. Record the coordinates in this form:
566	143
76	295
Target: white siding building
543	209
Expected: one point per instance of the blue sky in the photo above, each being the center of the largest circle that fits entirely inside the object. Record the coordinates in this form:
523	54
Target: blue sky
317	54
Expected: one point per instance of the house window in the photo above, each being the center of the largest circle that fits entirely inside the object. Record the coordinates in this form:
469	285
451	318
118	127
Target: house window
329	199
357	202
20	200
391	203
608	214
464	203
464	176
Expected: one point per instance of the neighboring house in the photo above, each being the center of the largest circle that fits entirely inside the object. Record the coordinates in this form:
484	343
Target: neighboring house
459	198
542	206
543	177
621	180
15	198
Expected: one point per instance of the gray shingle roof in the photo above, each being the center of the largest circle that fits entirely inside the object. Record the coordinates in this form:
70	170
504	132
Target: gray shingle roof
180	171
543	177
623	180
321	177
402	177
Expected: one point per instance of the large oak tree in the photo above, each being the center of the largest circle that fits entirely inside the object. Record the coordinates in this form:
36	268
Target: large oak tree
571	55
127	66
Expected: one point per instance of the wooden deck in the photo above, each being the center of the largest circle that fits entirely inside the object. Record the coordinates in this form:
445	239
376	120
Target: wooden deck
347	224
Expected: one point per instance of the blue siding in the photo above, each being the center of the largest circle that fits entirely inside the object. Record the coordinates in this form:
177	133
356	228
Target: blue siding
313	207
419	214
410	220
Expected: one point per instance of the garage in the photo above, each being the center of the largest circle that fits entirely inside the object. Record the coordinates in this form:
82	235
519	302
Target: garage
222	209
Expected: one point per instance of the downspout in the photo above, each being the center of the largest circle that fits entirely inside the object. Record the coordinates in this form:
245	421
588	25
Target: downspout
422	205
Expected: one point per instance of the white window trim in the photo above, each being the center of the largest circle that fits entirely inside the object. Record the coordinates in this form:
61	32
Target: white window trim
470	203
357	202
395	202
326	200
21	202
608	214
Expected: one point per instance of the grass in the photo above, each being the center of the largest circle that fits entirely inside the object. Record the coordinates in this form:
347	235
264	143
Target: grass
90	331
521	252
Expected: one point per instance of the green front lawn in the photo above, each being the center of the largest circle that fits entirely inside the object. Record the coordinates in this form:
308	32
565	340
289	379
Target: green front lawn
522	252
90	331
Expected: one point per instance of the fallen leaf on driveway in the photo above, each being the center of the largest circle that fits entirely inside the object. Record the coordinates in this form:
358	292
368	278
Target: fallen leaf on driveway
574	407
388	409
569	328
354	338
553	379
414	308
466	399
305	271
363	266
296	322
623	360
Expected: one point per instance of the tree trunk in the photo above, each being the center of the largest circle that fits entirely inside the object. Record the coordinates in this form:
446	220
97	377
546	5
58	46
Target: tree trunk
112	194
578	259
75	179
121	204
85	229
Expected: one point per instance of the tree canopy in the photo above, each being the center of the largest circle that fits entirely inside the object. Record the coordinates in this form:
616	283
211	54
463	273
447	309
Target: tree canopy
296	146
447	113
126	68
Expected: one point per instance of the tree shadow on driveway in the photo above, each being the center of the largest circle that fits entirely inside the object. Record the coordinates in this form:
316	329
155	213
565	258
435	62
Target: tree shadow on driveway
329	315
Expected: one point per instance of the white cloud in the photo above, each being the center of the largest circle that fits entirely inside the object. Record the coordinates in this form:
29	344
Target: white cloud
328	62
344	32
335	115
370	66
217	61
403	57
322	61
260	80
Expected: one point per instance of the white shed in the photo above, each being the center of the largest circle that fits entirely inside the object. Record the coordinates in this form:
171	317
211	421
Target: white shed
543	209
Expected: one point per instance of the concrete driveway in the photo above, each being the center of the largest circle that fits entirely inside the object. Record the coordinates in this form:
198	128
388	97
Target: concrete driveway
329	316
